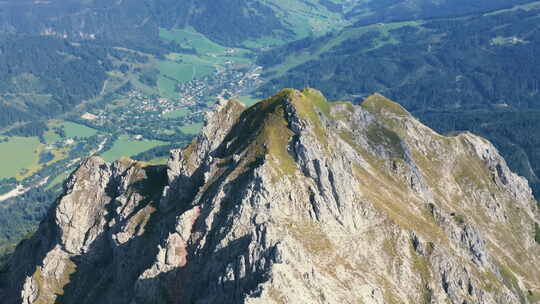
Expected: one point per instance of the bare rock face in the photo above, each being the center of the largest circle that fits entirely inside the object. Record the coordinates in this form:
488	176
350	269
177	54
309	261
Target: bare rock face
293	200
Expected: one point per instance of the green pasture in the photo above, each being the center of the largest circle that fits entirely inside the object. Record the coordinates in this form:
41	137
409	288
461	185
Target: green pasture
126	146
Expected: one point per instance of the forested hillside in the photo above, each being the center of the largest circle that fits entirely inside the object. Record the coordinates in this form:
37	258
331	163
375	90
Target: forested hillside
466	62
44	76
56	54
136	22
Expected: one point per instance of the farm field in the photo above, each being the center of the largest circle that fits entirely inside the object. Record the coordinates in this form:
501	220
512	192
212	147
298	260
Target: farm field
166	87
189	38
17	154
77	130
177	71
126	146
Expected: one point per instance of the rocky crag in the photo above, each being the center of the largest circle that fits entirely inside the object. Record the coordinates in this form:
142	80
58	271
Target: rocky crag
293	200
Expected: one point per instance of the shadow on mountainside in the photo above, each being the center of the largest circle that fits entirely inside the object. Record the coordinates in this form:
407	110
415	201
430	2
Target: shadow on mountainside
108	267
28	254
204	275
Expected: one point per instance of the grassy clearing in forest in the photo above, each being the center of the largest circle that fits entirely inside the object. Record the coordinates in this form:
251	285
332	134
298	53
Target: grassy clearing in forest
77	130
189	38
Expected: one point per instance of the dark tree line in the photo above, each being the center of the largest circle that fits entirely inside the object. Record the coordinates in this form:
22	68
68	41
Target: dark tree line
44	76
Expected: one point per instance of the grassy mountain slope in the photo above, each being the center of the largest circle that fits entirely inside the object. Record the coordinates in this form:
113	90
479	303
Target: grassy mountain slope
478	72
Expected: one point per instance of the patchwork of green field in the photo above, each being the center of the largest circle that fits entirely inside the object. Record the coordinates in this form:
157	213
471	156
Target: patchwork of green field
22	155
308	17
127	146
172	72
178	68
178	71
166	87
133	76
19	154
186	68
71	130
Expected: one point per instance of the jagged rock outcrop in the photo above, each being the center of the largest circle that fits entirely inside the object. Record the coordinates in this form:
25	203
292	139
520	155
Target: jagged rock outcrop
293	200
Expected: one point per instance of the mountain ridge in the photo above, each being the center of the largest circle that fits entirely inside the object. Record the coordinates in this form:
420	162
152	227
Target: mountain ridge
291	200
471	73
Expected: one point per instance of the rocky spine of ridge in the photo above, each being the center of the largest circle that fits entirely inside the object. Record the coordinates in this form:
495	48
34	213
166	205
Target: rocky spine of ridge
293	200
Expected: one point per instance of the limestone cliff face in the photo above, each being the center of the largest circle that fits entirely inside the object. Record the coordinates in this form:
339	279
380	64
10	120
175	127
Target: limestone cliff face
293	200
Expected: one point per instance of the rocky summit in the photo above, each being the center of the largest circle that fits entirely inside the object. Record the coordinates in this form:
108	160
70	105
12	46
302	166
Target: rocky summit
292	200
